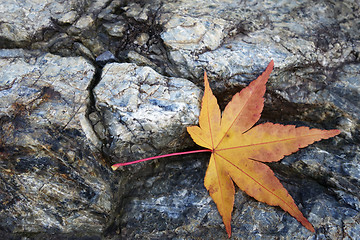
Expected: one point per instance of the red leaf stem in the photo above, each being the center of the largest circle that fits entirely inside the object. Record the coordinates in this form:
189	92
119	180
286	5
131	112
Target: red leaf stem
117	165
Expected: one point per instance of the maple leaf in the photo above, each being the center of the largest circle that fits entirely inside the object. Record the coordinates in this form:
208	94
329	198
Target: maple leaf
239	148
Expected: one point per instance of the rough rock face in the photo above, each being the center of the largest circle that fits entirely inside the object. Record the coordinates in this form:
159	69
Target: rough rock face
142	111
45	182
64	120
50	89
21	21
243	35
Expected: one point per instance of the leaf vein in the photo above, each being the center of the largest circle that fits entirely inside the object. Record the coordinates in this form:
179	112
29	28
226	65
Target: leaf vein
270	142
247	100
256	182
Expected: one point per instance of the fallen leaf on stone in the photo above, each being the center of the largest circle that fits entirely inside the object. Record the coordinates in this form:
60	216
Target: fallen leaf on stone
238	149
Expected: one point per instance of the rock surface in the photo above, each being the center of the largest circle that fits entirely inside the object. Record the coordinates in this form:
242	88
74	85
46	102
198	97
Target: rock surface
22	21
142	111
45	161
64	120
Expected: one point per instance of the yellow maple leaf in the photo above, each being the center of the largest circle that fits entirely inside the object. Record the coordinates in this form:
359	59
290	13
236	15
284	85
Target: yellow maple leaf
239	148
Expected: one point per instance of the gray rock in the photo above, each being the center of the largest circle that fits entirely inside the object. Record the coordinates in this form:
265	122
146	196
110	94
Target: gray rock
20	21
68	17
105	57
55	135
43	25
45	156
142	39
180	208
144	112
171	204
186	33
140	60
31	83
136	11
83	51
244	37
115	29
341	89
84	23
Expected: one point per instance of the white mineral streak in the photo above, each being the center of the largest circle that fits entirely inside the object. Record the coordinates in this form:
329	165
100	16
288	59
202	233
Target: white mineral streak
65	79
141	104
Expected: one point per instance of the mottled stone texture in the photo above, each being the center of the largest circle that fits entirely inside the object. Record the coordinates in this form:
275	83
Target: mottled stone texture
143	111
113	81
51	181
